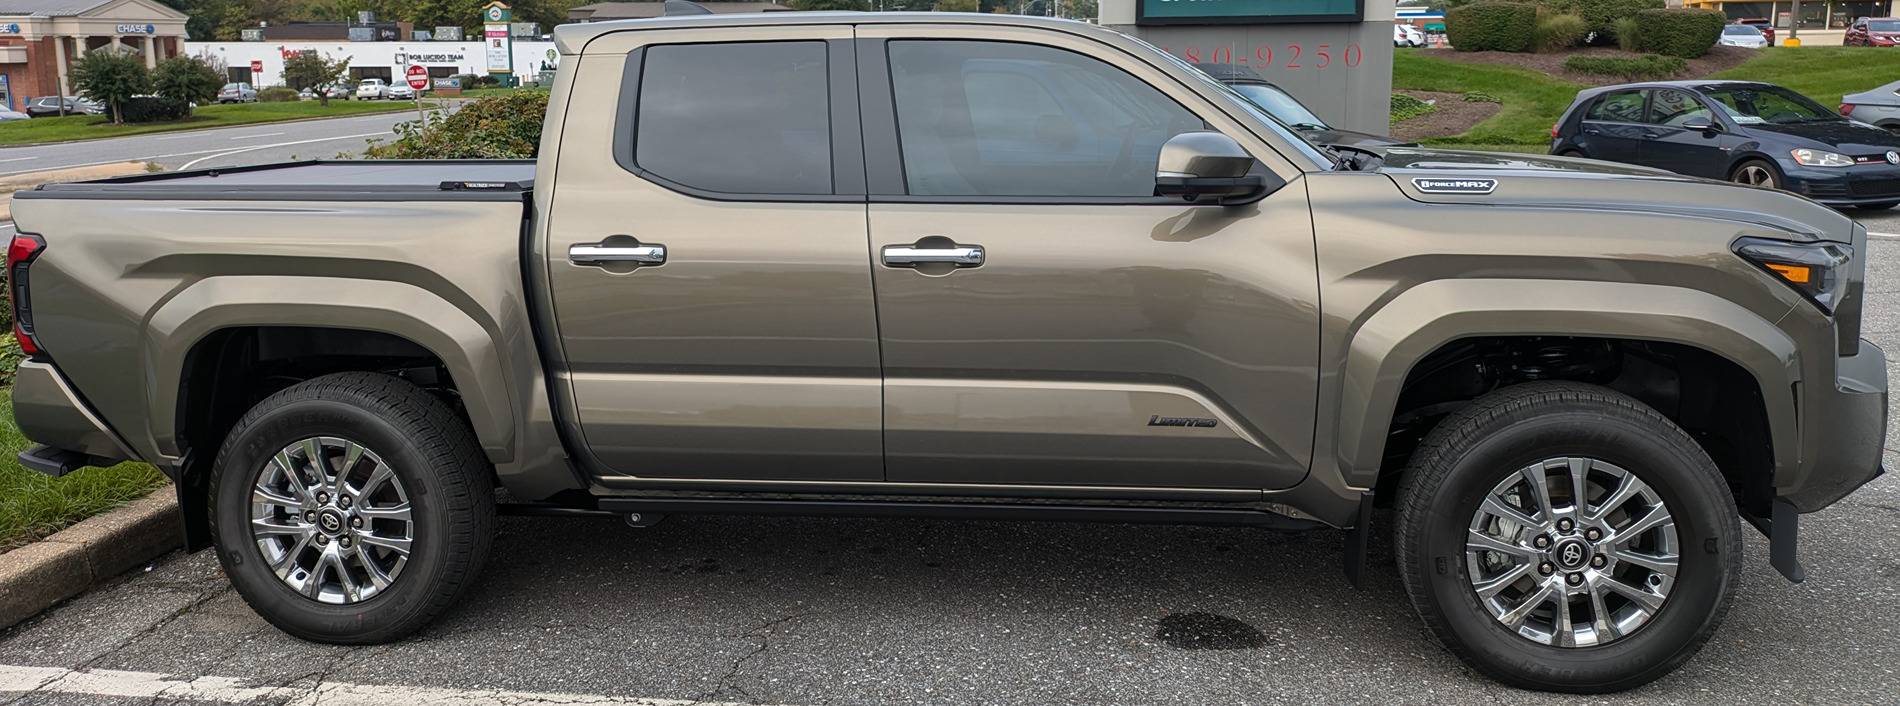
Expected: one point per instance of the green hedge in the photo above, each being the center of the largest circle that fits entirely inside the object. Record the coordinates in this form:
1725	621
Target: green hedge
1602	15
1679	32
154	109
1556	32
277	94
1492	26
1635	68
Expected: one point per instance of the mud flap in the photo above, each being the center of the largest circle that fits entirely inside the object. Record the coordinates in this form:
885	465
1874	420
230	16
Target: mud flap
1358	538
1783	529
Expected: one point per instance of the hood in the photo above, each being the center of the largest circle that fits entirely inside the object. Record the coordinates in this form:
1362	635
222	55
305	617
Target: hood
1349	138
1848	136
1450	176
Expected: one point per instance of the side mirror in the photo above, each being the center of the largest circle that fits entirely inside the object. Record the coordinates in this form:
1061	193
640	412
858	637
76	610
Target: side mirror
1207	167
1699	125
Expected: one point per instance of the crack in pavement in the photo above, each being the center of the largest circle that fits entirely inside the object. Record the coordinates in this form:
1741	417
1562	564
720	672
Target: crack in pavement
85	665
763	633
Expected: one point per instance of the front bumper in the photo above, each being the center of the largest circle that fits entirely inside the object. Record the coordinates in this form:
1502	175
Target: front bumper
50	413
1844	186
1844	430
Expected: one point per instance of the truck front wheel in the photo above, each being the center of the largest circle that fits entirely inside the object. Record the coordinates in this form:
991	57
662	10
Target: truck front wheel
1566	537
352	508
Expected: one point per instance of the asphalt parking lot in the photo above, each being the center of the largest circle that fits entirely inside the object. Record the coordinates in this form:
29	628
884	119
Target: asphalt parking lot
853	611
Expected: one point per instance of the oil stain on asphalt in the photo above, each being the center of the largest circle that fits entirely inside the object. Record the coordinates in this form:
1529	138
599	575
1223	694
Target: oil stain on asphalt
1208	631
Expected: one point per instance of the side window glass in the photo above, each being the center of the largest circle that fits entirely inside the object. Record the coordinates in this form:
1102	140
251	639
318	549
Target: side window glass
979	118
1672	107
1621	107
737	118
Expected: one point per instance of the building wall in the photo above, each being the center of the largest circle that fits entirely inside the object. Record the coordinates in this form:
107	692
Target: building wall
463	57
1342	71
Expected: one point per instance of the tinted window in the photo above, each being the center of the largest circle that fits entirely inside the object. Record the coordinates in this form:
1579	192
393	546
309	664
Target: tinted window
1621	106
1002	119
1757	104
1740	30
1883	25
1672	107
741	118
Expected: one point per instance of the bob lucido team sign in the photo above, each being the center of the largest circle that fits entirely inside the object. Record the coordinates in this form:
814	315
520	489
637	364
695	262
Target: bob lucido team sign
1208	12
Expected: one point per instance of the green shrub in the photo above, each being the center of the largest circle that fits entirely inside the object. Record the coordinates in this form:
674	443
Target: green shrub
187	78
1625	30
1560	32
278	94
1405	107
154	109
1635	68
1679	32
1603	14
1481	97
1492	26
492	127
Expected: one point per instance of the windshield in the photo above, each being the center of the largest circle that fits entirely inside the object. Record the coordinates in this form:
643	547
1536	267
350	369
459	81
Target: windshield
1758	104
1883	26
232	86
1273	124
1280	105
1740	29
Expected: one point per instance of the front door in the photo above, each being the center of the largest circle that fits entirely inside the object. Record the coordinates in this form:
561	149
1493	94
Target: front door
1613	127
707	259
1669	145
1046	320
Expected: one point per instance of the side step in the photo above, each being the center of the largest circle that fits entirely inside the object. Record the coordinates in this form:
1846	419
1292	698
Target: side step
54	462
955	510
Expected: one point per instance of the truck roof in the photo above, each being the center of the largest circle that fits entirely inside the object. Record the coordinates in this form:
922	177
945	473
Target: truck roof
570	38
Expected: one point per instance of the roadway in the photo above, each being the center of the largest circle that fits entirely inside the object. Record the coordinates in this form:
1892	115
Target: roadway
219	147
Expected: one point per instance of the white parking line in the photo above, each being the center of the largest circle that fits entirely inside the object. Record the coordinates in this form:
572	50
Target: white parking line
18	159
261	134
1887	236
152	685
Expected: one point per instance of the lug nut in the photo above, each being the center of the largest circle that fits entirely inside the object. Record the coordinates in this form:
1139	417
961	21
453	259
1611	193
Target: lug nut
309	516
343	542
1593	534
1541	542
356	522
343	500
1574	579
1546	568
1565	525
322	539
1598	561
323	497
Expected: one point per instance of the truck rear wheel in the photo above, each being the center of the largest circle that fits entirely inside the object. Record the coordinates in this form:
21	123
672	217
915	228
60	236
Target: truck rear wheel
1565	537
352	508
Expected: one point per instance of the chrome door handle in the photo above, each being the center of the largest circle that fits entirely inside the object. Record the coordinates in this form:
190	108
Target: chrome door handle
598	254
912	256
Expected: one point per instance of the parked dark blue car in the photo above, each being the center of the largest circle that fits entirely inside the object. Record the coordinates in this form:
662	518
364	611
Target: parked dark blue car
1750	133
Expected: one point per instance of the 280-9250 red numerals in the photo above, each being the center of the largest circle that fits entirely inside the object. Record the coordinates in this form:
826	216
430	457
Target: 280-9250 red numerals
1293	57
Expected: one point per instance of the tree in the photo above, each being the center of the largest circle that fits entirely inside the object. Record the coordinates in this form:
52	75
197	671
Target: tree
959	6
319	73
187	78
111	76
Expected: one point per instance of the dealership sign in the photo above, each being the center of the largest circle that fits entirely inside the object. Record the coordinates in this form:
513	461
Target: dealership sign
404	58
495	39
1205	12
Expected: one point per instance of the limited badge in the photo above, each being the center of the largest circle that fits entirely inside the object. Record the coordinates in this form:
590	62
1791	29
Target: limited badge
1893	157
1455	186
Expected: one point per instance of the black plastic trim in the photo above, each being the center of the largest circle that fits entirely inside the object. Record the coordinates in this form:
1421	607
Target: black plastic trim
166	186
58	462
956	510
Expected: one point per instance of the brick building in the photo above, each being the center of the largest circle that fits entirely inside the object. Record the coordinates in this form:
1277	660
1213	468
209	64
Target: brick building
39	40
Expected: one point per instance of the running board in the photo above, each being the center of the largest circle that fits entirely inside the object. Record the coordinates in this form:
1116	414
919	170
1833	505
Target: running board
955	511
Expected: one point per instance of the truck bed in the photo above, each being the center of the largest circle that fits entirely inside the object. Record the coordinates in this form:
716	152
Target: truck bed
354	180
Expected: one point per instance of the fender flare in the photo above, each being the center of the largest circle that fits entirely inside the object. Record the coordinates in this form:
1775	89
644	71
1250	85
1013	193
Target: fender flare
466	347
1385	347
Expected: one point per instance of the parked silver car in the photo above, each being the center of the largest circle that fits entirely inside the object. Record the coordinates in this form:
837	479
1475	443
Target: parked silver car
237	93
1880	106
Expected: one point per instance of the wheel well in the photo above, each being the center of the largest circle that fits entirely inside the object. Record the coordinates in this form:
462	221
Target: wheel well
230	371
1715	400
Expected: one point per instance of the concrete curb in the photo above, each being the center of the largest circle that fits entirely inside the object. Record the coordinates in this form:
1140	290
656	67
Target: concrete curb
39	575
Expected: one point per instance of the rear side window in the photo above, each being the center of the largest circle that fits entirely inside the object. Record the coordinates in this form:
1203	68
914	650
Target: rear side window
1620	106
737	118
1004	119
1673	107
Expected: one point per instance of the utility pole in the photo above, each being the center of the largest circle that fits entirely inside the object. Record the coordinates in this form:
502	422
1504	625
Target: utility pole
1794	25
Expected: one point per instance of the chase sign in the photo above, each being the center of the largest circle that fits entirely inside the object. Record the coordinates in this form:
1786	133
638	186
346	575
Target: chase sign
135	29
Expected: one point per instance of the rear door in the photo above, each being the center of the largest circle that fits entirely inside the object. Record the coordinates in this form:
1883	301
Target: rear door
1613	126
1046	320
707	258
1669	145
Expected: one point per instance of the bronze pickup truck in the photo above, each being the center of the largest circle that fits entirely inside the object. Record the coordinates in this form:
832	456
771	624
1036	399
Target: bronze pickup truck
966	266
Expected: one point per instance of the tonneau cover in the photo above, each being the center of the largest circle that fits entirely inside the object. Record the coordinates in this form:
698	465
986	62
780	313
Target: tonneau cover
354	180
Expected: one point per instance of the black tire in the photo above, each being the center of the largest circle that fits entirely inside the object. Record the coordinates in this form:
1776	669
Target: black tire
1461	460
1573	153
434	456
1739	174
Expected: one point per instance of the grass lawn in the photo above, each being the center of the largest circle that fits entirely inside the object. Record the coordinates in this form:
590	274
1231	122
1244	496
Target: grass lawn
81	127
1533	101
1822	73
33	505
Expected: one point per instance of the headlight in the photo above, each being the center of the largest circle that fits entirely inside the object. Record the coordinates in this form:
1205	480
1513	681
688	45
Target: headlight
1818	158
1816	270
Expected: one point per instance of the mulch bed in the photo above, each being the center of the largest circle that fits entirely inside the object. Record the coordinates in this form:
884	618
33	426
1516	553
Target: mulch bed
1453	116
1717	60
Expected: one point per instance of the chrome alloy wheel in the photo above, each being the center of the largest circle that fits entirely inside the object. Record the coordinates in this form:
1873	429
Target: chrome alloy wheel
1572	552
1755	175
332	520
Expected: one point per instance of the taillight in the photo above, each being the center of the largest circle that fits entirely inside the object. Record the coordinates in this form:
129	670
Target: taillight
1553	129
1847	109
20	253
